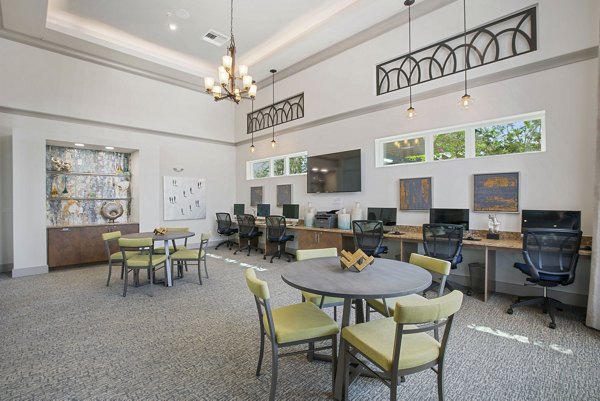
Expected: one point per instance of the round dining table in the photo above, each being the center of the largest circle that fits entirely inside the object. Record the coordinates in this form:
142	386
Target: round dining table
169	236
385	278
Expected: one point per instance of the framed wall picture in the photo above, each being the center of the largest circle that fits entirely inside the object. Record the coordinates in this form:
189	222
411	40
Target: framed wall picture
256	195
184	198
415	193
496	192
284	194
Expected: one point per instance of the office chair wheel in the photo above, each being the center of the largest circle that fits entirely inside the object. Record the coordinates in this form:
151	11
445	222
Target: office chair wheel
469	293
552	325
509	311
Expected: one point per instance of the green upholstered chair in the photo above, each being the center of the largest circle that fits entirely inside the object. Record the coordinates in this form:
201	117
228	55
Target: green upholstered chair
433	265
172	248
399	345
319	300
109	238
143	259
301	323
192	256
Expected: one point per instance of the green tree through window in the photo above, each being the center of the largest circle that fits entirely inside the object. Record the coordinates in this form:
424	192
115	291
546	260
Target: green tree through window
449	145
297	164
278	167
260	169
501	139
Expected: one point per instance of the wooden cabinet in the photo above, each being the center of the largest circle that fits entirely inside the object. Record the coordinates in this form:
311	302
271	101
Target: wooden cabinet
311	239
69	246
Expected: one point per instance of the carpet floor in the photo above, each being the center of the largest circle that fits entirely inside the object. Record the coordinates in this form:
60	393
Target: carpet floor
66	336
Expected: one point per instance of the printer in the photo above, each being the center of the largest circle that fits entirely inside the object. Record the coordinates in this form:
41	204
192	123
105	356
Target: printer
326	220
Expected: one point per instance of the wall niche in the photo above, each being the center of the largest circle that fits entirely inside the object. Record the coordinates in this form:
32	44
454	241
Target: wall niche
79	182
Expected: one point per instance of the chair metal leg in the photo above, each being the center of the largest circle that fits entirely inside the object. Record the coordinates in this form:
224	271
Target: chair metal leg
346	372
368	313
335	313
125	284
200	273
274	363
440	380
109	271
152	284
205	268
333	361
262	351
393	386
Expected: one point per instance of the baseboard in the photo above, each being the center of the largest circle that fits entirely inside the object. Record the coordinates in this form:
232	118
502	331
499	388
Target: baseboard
29	271
6	268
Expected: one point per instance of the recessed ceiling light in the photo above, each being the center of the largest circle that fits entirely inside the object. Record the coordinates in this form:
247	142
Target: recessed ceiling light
81	145
172	26
109	147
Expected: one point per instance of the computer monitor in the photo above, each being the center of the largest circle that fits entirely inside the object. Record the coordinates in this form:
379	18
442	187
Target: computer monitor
450	216
567	219
386	214
239	208
263	209
291	211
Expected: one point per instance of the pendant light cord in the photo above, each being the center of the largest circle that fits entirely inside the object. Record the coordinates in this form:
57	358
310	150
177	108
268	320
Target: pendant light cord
274	111
409	60
465	39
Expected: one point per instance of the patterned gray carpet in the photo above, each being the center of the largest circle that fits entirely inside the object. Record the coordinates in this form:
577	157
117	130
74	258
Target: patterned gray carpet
66	336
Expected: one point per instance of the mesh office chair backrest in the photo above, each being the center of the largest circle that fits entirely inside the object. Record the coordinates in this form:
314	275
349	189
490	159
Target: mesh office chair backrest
223	223
246	224
368	234
443	241
552	252
275	227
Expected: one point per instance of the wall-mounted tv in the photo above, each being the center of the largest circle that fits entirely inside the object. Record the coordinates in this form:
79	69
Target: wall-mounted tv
333	172
450	216
566	219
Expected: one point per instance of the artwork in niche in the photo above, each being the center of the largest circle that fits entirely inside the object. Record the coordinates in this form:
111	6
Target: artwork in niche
415	193
496	192
256	195
80	181
184	198
284	194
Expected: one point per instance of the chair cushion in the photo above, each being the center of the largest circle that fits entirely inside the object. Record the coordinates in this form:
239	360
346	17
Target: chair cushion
375	339
316	299
161	249
119	255
228	232
144	260
524	267
377	304
285	238
186	254
301	321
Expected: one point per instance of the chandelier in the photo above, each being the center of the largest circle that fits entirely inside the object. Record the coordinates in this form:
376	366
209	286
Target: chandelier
229	83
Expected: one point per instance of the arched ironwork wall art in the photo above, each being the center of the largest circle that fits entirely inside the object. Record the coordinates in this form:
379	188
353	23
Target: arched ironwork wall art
498	40
284	111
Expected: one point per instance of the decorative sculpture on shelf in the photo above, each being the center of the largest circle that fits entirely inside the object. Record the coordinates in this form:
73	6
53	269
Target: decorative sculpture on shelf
493	227
60	165
357	260
111	211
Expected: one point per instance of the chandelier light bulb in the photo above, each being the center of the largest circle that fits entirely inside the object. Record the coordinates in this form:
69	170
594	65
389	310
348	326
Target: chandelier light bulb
252	148
227	62
252	91
411	113
466	101
243	70
247	81
216	91
209	83
223	77
273	143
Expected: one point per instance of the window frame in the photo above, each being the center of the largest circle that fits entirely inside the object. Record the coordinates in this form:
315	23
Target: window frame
429	136
271	160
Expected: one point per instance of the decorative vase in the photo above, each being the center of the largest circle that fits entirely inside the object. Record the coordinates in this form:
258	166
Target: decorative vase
356	213
309	219
344	221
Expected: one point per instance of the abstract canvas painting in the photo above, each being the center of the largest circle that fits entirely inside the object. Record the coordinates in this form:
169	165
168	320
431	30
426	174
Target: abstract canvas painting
184	198
284	194
415	193
496	192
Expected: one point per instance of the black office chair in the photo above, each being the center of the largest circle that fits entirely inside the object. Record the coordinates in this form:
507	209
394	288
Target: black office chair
444	241
247	231
551	257
276	234
224	228
368	236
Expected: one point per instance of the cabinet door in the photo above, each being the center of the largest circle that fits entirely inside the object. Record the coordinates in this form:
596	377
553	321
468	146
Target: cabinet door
307	239
63	246
91	244
330	240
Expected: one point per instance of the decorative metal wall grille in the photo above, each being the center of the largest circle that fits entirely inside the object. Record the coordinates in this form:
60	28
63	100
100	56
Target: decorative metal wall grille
507	37
284	111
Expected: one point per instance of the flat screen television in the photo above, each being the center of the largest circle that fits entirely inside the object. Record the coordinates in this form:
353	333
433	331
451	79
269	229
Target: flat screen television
291	211
567	219
263	209
333	172
239	208
386	214
450	216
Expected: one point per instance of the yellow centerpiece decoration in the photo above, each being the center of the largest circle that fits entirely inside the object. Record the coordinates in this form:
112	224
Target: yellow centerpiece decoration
357	260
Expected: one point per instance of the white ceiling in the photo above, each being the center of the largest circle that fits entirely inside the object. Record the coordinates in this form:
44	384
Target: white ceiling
135	34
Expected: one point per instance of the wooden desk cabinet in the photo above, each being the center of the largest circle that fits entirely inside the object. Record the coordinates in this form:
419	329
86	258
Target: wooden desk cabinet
77	245
311	239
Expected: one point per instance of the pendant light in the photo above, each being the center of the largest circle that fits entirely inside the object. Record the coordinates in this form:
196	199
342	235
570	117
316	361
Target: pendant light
252	148
466	100
410	112
274	111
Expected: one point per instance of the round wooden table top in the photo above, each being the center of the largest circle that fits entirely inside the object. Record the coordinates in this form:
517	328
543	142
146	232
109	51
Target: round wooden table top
385	278
171	235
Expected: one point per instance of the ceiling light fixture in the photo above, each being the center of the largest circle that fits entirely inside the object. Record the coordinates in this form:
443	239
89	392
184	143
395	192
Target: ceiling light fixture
466	100
252	148
109	147
81	145
274	110
170	22
228	88
410	112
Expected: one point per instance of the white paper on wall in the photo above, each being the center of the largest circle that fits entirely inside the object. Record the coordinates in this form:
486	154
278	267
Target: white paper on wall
184	198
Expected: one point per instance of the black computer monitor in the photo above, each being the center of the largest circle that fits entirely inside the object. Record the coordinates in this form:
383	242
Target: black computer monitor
567	219
291	211
239	208
386	214
450	216
263	209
